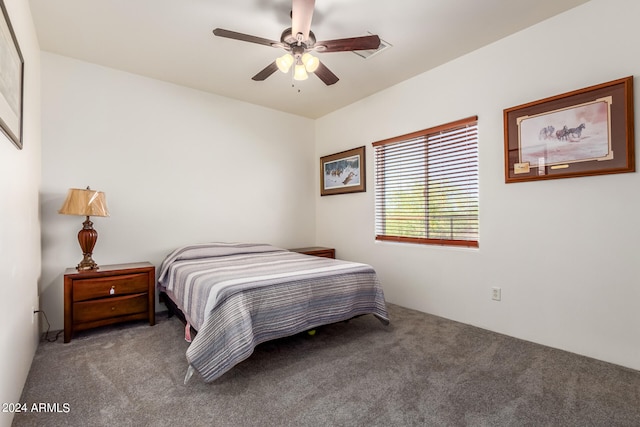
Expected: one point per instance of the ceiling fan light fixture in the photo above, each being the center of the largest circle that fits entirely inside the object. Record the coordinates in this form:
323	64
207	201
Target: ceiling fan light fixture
285	62
300	73
311	63
298	40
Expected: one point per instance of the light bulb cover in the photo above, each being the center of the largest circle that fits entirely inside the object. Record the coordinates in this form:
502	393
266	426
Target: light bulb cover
285	62
311	63
300	73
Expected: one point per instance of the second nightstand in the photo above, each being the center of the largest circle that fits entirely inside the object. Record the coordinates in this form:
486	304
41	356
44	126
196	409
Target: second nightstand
316	251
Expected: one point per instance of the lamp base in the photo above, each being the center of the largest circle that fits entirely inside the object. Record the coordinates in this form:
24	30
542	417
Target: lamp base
87	264
87	238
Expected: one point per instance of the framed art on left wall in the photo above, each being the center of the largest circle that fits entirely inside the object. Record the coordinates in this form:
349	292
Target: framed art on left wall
11	80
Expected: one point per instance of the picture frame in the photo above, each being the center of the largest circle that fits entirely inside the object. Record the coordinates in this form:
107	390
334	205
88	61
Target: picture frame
11	81
585	132
343	172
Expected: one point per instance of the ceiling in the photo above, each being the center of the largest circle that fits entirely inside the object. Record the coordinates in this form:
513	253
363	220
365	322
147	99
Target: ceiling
172	40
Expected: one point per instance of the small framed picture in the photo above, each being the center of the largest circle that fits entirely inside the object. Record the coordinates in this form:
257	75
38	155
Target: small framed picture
343	172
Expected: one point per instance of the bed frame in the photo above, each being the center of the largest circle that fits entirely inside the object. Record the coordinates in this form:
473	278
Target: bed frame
173	309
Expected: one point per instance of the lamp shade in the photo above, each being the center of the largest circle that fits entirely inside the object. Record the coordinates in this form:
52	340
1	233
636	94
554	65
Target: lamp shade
85	203
311	63
285	62
300	73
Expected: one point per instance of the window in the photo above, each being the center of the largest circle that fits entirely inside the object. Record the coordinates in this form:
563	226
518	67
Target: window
427	185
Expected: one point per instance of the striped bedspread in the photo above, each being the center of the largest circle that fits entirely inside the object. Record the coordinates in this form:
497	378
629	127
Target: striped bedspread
239	295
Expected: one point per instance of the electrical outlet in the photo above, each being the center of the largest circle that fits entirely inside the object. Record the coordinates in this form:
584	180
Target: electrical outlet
496	293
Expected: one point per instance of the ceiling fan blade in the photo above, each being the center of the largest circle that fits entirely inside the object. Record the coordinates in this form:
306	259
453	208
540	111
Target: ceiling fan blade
301	16
244	37
266	72
326	75
345	45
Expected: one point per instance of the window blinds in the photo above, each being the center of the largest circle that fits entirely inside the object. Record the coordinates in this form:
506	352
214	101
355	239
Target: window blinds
427	185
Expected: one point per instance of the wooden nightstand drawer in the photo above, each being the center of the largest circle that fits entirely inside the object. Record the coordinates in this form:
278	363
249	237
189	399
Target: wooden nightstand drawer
102	287
89	311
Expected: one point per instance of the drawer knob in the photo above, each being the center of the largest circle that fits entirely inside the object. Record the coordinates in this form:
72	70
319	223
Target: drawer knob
113	308
112	290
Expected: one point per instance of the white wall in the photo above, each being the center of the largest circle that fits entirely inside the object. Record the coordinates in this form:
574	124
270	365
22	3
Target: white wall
563	251
178	166
20	222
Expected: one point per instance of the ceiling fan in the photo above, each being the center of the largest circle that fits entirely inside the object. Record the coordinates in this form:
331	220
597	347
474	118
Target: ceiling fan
299	41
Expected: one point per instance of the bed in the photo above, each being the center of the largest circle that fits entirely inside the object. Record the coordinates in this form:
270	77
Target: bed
238	295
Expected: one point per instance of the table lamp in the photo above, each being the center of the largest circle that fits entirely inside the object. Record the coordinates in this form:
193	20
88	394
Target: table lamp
86	203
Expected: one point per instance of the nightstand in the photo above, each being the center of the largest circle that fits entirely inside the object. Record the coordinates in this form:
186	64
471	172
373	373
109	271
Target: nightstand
316	251
112	294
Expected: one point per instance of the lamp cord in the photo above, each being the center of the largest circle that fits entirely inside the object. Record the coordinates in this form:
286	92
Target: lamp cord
45	336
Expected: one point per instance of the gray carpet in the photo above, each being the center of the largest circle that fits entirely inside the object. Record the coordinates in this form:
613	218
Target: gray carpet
420	370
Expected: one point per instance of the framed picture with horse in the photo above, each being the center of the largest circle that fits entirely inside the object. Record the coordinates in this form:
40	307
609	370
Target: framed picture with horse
586	132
